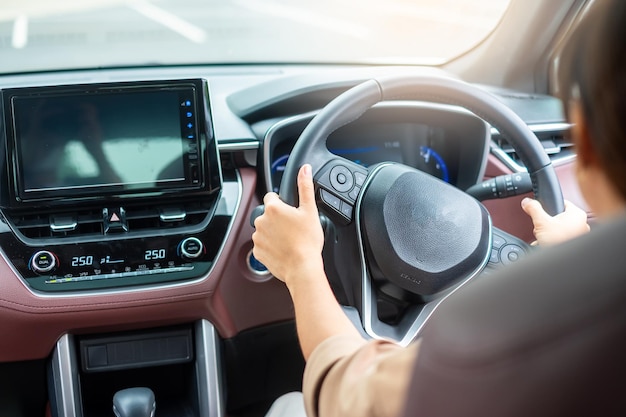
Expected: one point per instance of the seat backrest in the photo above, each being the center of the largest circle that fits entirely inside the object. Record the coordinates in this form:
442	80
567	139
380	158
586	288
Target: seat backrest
545	337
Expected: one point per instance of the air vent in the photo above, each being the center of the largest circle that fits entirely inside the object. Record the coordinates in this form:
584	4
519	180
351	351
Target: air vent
91	222
555	139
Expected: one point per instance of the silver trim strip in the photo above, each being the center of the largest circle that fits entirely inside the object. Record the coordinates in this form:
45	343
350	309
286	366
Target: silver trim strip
65	378
209	386
178	217
238	146
58	228
506	159
535	128
543	127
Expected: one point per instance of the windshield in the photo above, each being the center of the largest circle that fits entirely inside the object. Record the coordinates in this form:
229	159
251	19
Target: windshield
42	34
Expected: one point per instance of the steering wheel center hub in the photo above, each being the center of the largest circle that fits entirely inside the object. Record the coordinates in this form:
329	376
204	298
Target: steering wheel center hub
424	235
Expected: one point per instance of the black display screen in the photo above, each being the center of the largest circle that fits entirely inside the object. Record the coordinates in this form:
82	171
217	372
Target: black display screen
105	141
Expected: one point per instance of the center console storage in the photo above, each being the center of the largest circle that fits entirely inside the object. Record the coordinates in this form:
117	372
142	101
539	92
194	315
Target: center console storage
179	364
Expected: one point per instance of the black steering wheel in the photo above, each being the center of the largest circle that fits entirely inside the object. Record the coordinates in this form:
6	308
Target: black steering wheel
405	239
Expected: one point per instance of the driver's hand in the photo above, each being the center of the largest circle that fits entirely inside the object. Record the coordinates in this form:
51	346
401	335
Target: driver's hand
289	240
550	230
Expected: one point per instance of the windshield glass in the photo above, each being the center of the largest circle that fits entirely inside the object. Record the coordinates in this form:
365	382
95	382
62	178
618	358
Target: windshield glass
42	34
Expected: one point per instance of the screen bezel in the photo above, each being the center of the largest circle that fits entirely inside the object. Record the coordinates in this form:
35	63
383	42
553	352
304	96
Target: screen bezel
202	175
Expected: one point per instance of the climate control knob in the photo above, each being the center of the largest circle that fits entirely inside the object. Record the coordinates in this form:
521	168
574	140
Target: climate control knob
191	248
43	261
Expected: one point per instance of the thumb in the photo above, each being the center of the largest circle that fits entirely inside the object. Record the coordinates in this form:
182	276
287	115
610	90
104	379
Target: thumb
306	190
534	209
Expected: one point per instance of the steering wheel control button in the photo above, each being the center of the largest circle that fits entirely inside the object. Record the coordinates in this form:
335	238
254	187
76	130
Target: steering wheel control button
341	178
359	178
498	241
354	194
513	256
511	253
495	256
346	210
331	200
191	248
43	261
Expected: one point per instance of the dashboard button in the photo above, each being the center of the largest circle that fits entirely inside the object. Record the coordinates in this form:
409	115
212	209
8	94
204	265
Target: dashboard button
191	248
341	178
114	220
256	266
195	175
43	261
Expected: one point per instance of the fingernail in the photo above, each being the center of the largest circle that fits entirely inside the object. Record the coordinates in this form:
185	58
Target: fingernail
306	170
525	201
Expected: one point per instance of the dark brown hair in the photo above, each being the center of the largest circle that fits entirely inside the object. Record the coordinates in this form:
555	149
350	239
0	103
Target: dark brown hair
592	68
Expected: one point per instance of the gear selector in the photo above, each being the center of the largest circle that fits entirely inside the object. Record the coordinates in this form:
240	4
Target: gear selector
134	402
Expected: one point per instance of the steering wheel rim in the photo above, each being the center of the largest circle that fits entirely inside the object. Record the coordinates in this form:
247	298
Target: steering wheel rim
311	148
349	106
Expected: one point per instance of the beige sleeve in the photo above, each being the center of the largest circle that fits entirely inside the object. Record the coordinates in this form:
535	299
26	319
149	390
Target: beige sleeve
349	376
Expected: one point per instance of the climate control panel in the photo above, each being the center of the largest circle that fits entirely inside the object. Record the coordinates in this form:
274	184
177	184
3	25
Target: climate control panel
116	262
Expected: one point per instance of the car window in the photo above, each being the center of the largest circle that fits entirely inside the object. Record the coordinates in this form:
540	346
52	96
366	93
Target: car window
41	35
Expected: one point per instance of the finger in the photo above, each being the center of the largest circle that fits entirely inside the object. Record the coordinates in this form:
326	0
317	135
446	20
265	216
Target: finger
270	197
534	209
306	190
569	206
568	203
271	203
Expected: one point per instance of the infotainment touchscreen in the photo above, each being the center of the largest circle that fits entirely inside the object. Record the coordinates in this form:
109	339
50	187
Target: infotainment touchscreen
107	140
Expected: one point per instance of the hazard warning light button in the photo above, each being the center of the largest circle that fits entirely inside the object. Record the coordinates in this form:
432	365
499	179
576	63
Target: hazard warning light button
114	220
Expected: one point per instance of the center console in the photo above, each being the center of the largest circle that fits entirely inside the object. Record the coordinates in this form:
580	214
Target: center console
180	365
110	185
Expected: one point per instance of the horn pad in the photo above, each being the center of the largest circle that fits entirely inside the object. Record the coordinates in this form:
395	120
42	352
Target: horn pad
424	234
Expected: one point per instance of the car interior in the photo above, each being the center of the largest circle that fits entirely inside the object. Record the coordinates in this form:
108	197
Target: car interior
128	193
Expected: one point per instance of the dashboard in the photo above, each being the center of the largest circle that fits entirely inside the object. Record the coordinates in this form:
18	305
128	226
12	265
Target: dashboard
125	203
116	185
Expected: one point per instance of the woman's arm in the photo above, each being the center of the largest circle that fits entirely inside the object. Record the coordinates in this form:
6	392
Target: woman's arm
289	242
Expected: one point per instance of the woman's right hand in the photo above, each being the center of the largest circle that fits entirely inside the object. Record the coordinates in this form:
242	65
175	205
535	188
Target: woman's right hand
289	240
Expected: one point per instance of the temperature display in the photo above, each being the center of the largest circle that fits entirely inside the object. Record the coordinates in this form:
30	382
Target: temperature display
154	254
82	260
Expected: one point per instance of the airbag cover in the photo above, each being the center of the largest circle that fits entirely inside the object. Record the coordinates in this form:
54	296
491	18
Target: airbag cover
423	233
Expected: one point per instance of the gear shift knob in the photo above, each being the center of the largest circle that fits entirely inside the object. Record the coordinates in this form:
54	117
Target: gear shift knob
134	402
